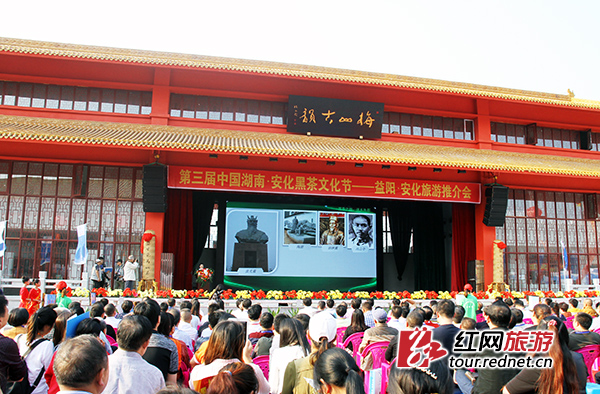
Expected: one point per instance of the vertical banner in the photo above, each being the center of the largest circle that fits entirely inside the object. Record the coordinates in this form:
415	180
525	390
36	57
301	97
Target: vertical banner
3	237
81	253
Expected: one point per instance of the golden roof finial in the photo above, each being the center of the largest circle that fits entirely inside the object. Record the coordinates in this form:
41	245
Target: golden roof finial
571	93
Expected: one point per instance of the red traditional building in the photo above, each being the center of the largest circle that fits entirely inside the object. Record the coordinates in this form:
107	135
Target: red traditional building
78	123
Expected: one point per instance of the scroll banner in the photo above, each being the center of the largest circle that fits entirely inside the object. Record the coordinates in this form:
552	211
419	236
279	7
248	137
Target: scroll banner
225	179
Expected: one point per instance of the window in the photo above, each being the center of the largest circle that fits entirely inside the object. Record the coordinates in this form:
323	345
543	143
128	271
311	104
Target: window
427	126
535	135
211	240
72	98
548	238
43	215
228	109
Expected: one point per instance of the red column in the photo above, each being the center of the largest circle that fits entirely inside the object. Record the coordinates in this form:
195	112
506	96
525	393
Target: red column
484	242
155	221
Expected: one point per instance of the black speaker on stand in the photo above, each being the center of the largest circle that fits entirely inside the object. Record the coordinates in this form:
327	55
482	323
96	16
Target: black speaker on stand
496	199
154	186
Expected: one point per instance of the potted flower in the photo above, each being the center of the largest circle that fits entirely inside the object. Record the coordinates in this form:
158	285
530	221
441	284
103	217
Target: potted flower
204	275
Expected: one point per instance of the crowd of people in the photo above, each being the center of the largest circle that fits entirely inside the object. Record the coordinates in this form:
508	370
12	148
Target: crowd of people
144	347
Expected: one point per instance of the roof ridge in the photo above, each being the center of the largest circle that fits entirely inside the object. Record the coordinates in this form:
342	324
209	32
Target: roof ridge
16	45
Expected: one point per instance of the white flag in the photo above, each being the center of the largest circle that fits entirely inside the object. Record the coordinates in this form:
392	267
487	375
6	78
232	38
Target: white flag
3	237
81	253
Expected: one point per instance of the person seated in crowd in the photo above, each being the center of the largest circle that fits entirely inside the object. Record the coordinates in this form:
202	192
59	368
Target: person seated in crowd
126	307
589	308
336	371
39	350
413	320
540	311
490	380
196	314
357	324
254	319
177	333
435	379
446	332
397	321
226	345
243	314
340	315
165	327
97	312
380	333
581	335
17	319
171	303
12	367
298	374
81	365
468	324
304	319
459	315
161	351
564	310
308	308
354	305
331	307
568	375
293	345
238	313
128	371
266	328
185	325
164	306
429	323
214	318
234	378
574	305
517	316
204	330
321	306
367	309
111	311
520	305
555	306
265	346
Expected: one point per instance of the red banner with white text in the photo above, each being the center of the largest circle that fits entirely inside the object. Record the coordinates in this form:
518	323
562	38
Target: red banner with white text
225	179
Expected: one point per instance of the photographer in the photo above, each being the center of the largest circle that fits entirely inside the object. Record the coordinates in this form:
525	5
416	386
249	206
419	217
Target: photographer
129	272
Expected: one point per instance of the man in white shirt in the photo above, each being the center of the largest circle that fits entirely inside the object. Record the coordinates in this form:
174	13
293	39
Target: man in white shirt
397	321
242	312
129	272
186	326
308	309
81	365
179	334
110	311
128	371
254	319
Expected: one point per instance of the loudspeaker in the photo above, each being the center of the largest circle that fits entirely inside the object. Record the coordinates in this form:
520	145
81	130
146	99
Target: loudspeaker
496	199
154	186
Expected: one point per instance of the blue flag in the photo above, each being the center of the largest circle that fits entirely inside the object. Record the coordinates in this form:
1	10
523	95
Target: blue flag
81	253
3	237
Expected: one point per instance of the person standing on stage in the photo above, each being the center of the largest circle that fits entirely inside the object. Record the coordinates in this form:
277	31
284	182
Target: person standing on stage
129	272
24	293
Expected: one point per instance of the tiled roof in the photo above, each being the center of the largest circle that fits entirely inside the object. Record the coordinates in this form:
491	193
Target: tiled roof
291	70
288	145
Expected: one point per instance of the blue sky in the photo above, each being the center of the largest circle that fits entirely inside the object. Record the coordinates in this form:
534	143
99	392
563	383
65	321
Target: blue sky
547	46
